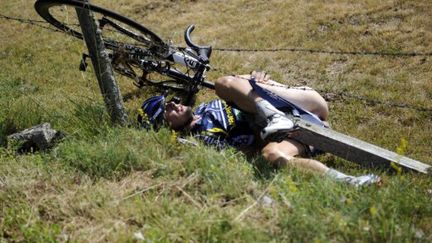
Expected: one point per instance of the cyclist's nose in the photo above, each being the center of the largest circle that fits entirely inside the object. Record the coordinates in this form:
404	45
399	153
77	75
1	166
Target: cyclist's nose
172	106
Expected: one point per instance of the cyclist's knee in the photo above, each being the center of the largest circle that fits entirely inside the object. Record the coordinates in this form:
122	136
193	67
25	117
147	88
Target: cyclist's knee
224	82
277	154
270	153
223	85
275	158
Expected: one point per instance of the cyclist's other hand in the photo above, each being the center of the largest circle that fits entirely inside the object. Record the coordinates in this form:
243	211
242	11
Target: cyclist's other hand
260	76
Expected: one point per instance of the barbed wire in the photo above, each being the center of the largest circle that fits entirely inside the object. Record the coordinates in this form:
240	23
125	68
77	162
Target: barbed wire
328	95
344	96
314	51
41	23
38	23
23	20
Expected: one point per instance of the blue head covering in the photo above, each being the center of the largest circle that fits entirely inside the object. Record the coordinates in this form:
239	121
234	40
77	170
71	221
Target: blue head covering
151	113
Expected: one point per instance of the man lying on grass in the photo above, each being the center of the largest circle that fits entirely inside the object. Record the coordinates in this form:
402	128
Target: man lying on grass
243	119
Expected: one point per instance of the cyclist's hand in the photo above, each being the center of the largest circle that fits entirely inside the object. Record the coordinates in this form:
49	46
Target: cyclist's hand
260	76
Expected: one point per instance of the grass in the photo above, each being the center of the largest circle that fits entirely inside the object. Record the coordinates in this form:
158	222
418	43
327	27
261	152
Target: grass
106	183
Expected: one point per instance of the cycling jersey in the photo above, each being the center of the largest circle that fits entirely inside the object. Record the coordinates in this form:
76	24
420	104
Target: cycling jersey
221	124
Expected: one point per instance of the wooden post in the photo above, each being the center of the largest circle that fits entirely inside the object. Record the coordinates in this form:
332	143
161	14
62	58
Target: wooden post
353	149
102	66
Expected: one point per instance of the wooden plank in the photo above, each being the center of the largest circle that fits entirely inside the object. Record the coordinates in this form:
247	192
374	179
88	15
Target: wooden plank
353	149
102	66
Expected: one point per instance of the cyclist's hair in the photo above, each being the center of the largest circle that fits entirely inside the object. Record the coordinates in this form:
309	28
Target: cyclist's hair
151	113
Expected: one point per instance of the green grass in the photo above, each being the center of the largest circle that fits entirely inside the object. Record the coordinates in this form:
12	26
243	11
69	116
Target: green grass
107	183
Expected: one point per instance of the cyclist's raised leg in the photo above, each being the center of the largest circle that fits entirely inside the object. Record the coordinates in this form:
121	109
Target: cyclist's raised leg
304	97
238	90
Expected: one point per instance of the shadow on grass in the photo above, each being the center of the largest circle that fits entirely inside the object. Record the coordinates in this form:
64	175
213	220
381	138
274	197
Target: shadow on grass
262	170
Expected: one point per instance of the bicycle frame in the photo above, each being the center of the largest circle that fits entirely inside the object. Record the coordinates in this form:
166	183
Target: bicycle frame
143	50
182	58
148	61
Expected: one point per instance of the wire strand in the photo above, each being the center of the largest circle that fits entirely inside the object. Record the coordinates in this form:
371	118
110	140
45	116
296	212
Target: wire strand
330	52
331	95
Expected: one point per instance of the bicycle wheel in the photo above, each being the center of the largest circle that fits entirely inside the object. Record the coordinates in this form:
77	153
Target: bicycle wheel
117	30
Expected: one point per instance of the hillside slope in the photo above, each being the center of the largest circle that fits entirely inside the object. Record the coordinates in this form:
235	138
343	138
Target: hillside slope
105	183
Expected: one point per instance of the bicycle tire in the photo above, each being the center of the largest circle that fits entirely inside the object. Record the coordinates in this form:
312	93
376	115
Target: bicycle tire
44	7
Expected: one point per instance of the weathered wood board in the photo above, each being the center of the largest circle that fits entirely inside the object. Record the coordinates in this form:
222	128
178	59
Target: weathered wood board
352	149
102	65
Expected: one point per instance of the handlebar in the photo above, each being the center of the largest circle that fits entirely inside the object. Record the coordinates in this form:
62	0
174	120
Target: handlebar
204	52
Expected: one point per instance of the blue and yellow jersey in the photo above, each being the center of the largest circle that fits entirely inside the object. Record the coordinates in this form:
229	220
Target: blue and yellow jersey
221	125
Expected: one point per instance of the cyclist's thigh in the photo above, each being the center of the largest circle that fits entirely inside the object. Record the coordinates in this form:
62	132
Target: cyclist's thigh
304	97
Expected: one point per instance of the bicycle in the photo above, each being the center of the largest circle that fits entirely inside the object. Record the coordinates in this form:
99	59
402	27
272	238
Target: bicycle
133	48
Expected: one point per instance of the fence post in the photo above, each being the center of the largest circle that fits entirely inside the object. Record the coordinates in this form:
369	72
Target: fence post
102	66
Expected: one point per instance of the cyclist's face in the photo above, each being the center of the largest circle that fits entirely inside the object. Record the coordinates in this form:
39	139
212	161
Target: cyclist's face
177	115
